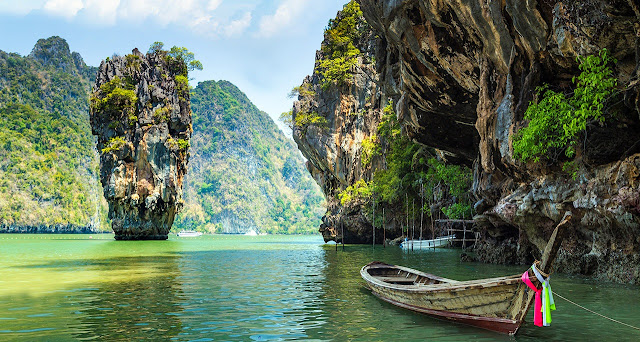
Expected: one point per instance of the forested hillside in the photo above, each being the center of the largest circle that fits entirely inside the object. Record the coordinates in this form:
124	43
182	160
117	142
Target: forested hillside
48	162
243	173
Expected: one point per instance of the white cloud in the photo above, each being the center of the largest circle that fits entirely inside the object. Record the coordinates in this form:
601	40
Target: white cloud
237	27
20	7
103	10
202	16
284	16
213	4
64	8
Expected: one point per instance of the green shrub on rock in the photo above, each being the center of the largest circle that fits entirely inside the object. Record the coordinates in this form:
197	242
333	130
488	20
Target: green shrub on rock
114	144
115	96
339	50
556	121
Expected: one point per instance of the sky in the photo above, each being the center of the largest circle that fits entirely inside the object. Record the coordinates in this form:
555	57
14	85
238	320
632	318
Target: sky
265	47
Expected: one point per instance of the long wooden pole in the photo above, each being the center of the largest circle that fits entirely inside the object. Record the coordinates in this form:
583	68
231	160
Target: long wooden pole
374	221
384	231
553	245
421	208
407	200
342	235
413	221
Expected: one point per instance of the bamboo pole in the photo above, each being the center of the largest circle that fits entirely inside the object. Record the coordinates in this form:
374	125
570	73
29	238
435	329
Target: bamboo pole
407	201
421	208
384	231
373	221
342	235
413	219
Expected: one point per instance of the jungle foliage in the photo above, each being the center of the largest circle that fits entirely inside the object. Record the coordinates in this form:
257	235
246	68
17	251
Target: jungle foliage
411	173
305	117
557	120
48	162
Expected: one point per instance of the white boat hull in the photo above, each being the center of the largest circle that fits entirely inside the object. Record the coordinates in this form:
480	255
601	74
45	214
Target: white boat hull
442	241
189	234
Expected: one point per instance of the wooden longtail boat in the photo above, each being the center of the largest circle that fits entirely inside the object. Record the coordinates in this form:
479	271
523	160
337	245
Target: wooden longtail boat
497	304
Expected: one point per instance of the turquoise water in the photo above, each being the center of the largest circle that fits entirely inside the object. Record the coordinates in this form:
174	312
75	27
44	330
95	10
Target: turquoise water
265	288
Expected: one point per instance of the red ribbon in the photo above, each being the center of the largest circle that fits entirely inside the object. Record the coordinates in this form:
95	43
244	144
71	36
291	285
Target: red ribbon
537	310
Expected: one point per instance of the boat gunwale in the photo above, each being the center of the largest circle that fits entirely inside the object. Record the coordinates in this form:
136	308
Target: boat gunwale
447	285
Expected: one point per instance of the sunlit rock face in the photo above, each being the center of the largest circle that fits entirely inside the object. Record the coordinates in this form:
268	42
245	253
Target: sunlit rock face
141	116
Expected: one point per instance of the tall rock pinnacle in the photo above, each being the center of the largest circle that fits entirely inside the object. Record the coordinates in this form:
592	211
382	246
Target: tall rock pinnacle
140	113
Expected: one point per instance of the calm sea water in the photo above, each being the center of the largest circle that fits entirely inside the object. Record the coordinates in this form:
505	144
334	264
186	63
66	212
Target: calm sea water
265	288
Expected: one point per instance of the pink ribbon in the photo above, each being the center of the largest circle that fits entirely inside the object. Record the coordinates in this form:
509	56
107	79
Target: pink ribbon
537	310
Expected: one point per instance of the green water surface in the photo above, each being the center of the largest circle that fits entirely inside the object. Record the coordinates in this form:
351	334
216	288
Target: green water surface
264	288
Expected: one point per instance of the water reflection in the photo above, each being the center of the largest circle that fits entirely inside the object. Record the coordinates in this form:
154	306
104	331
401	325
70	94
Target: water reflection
357	315
146	308
272	295
263	288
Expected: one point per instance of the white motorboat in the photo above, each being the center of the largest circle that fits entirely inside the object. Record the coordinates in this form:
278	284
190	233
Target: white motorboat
441	241
189	233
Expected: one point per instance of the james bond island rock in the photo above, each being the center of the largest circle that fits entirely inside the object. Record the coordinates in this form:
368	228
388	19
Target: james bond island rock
140	113
461	75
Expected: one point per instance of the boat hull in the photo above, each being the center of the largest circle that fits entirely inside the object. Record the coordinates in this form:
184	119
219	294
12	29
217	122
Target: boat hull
503	326
497	304
425	244
189	234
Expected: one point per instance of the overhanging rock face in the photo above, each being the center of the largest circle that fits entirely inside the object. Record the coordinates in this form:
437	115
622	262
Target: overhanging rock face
461	74
140	113
468	70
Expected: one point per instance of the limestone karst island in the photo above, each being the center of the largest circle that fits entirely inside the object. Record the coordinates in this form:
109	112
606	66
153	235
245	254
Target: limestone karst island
296	170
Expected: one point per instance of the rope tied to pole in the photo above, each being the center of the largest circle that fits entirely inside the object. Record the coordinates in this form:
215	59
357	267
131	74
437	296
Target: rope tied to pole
595	313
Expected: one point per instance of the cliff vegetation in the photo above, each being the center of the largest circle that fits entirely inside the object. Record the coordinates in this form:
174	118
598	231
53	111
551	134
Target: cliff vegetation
48	164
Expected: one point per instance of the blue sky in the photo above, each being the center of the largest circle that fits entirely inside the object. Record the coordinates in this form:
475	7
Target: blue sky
265	47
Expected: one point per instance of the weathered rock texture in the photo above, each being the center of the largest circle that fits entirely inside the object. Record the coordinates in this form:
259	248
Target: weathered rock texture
353	112
142	177
463	73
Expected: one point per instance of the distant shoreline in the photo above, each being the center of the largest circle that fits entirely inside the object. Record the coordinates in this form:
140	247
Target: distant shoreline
50	229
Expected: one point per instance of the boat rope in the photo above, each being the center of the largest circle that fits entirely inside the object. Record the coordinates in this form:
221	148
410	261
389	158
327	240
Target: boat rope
595	313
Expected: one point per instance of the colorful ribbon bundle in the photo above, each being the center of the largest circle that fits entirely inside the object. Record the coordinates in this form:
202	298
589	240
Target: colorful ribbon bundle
544	298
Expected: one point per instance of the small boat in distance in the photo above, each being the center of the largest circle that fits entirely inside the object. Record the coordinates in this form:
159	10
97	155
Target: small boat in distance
189	233
497	304
441	241
251	232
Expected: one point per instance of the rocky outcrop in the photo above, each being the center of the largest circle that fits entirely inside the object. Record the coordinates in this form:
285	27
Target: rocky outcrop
141	116
463	72
333	150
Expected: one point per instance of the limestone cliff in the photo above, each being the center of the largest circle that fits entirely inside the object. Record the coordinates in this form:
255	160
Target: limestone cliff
463	72
352	112
140	113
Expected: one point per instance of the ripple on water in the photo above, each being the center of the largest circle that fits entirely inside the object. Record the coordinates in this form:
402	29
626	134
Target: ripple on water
260	289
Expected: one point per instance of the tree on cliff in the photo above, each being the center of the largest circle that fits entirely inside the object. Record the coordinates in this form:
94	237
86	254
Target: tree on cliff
181	54
339	51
